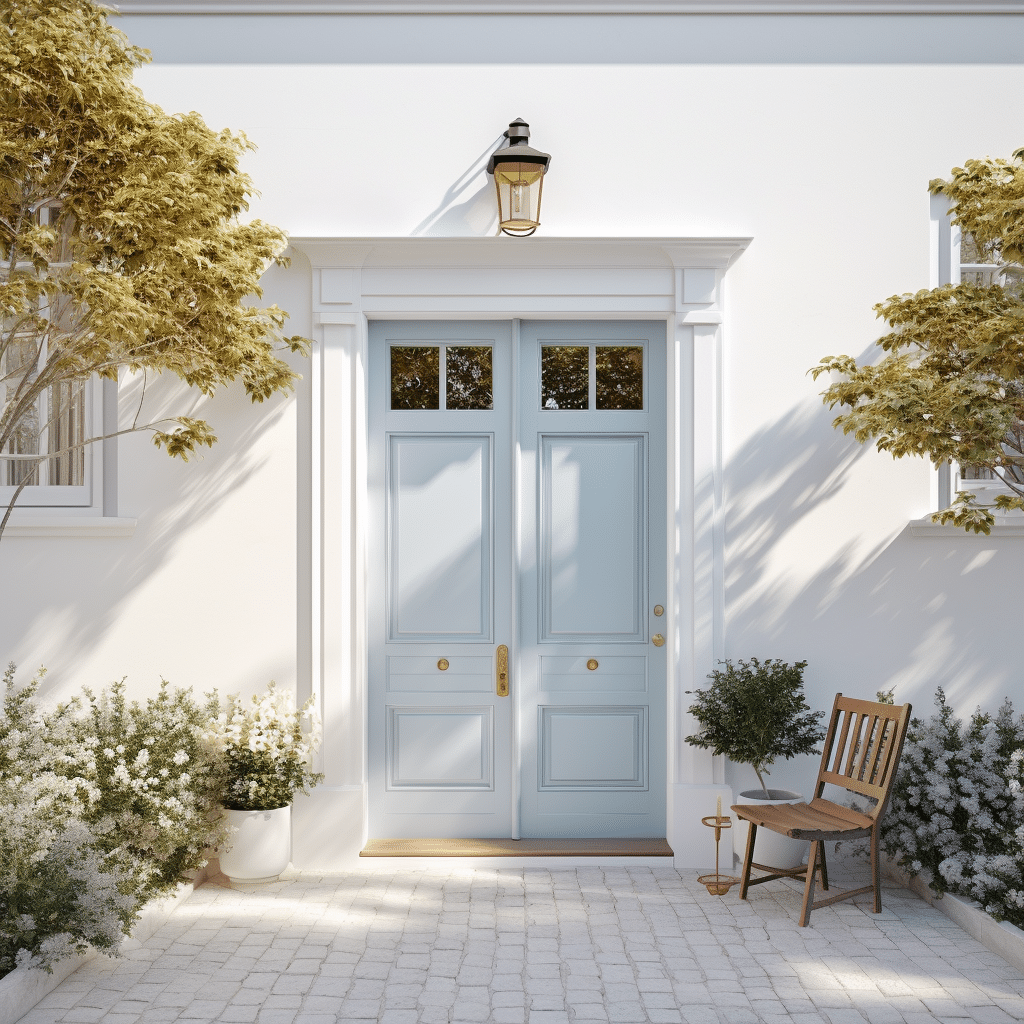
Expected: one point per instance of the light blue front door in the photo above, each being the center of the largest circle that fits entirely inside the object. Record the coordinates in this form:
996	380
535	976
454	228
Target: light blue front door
517	503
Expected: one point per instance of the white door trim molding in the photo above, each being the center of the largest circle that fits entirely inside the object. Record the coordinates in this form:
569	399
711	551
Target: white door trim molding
677	280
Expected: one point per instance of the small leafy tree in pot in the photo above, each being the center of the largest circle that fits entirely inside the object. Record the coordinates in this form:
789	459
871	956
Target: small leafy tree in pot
754	712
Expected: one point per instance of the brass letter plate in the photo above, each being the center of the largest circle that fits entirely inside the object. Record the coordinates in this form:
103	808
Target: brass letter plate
502	681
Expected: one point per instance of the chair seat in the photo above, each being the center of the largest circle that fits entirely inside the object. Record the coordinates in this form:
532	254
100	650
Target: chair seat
819	820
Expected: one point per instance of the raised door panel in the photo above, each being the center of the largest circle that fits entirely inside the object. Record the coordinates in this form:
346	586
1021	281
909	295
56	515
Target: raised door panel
592	544
440	749
440	529
587	748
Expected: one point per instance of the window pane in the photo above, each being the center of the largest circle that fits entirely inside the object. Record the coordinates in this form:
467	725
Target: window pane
18	365
971	252
620	377
564	376
469	377
415	377
66	428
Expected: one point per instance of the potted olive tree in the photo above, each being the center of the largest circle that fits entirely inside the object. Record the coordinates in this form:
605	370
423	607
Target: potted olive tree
754	712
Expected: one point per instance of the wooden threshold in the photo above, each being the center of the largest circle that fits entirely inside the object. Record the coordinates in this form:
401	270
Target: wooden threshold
516	848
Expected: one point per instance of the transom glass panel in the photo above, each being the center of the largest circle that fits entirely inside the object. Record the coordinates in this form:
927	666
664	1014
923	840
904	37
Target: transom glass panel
415	376
620	377
417	371
592	377
468	377
564	376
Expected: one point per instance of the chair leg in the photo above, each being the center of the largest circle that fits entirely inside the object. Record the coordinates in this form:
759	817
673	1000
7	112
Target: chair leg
874	871
824	870
812	866
748	859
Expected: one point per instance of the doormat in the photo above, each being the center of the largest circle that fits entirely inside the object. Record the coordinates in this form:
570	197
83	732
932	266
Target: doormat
516	848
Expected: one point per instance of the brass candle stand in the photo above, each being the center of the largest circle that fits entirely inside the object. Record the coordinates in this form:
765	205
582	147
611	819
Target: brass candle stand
717	885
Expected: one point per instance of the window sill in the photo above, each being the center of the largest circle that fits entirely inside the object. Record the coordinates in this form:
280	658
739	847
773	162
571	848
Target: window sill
1005	526
69	526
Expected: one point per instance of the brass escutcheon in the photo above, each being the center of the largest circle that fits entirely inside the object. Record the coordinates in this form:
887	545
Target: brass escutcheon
658	640
501	683
659	610
592	664
443	664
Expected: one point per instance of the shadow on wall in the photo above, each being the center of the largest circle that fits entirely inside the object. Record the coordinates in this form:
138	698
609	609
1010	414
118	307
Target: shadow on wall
182	579
459	214
867	614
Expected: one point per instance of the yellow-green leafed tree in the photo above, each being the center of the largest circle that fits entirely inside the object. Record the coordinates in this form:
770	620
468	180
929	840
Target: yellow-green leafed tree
950	386
120	241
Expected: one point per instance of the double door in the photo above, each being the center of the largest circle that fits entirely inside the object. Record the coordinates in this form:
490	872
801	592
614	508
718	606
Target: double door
518	577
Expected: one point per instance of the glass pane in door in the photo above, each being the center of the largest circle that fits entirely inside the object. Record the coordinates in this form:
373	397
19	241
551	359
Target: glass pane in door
564	376
415	377
620	376
468	372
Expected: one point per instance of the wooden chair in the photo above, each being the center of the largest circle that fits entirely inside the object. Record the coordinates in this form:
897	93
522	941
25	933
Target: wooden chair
867	739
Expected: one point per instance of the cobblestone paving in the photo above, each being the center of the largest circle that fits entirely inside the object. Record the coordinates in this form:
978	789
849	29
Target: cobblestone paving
534	946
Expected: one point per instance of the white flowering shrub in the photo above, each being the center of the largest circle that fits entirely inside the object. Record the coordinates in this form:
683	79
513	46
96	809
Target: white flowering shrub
264	749
58	891
155	815
957	810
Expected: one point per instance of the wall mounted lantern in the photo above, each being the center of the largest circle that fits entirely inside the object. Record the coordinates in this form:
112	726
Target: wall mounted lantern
518	179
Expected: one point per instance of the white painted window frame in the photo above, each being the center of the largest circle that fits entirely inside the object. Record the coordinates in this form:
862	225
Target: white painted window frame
90	510
945	268
47	495
678	281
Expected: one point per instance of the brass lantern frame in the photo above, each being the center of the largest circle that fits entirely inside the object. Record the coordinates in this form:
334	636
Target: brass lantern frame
518	170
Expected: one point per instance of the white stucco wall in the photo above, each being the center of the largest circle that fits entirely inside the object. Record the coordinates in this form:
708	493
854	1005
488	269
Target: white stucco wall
825	167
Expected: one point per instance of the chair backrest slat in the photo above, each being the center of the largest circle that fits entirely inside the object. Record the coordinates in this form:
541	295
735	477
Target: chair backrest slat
842	739
862	746
853	736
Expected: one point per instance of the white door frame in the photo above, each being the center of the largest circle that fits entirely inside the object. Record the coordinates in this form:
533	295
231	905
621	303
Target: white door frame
675	280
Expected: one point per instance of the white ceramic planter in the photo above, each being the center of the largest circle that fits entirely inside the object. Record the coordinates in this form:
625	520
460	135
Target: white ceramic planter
770	848
261	848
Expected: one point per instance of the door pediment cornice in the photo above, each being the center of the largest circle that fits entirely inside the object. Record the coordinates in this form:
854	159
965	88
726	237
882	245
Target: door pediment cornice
499	251
459	277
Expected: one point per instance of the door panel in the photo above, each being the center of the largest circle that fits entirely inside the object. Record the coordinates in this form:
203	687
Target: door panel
588	747
440	748
548	539
592	545
439	487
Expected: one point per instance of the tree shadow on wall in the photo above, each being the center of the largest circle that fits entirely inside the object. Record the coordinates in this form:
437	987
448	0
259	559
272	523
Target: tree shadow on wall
913	612
79	591
462	212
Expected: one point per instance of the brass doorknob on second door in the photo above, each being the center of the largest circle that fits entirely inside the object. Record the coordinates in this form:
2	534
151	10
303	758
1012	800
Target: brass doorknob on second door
658	640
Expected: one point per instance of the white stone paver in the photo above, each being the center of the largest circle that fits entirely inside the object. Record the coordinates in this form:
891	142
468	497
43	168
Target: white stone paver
456	945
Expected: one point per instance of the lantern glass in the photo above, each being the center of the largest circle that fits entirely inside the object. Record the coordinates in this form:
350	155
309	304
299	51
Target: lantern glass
519	187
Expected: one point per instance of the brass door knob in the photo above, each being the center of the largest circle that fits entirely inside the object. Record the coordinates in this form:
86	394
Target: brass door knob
442	664
658	640
592	664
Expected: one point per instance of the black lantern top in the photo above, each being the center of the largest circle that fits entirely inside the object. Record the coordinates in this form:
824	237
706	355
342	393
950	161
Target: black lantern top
517	150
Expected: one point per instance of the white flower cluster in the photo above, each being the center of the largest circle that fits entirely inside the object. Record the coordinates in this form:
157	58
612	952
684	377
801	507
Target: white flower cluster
156	784
98	799
957	813
268	723
264	748
58	891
